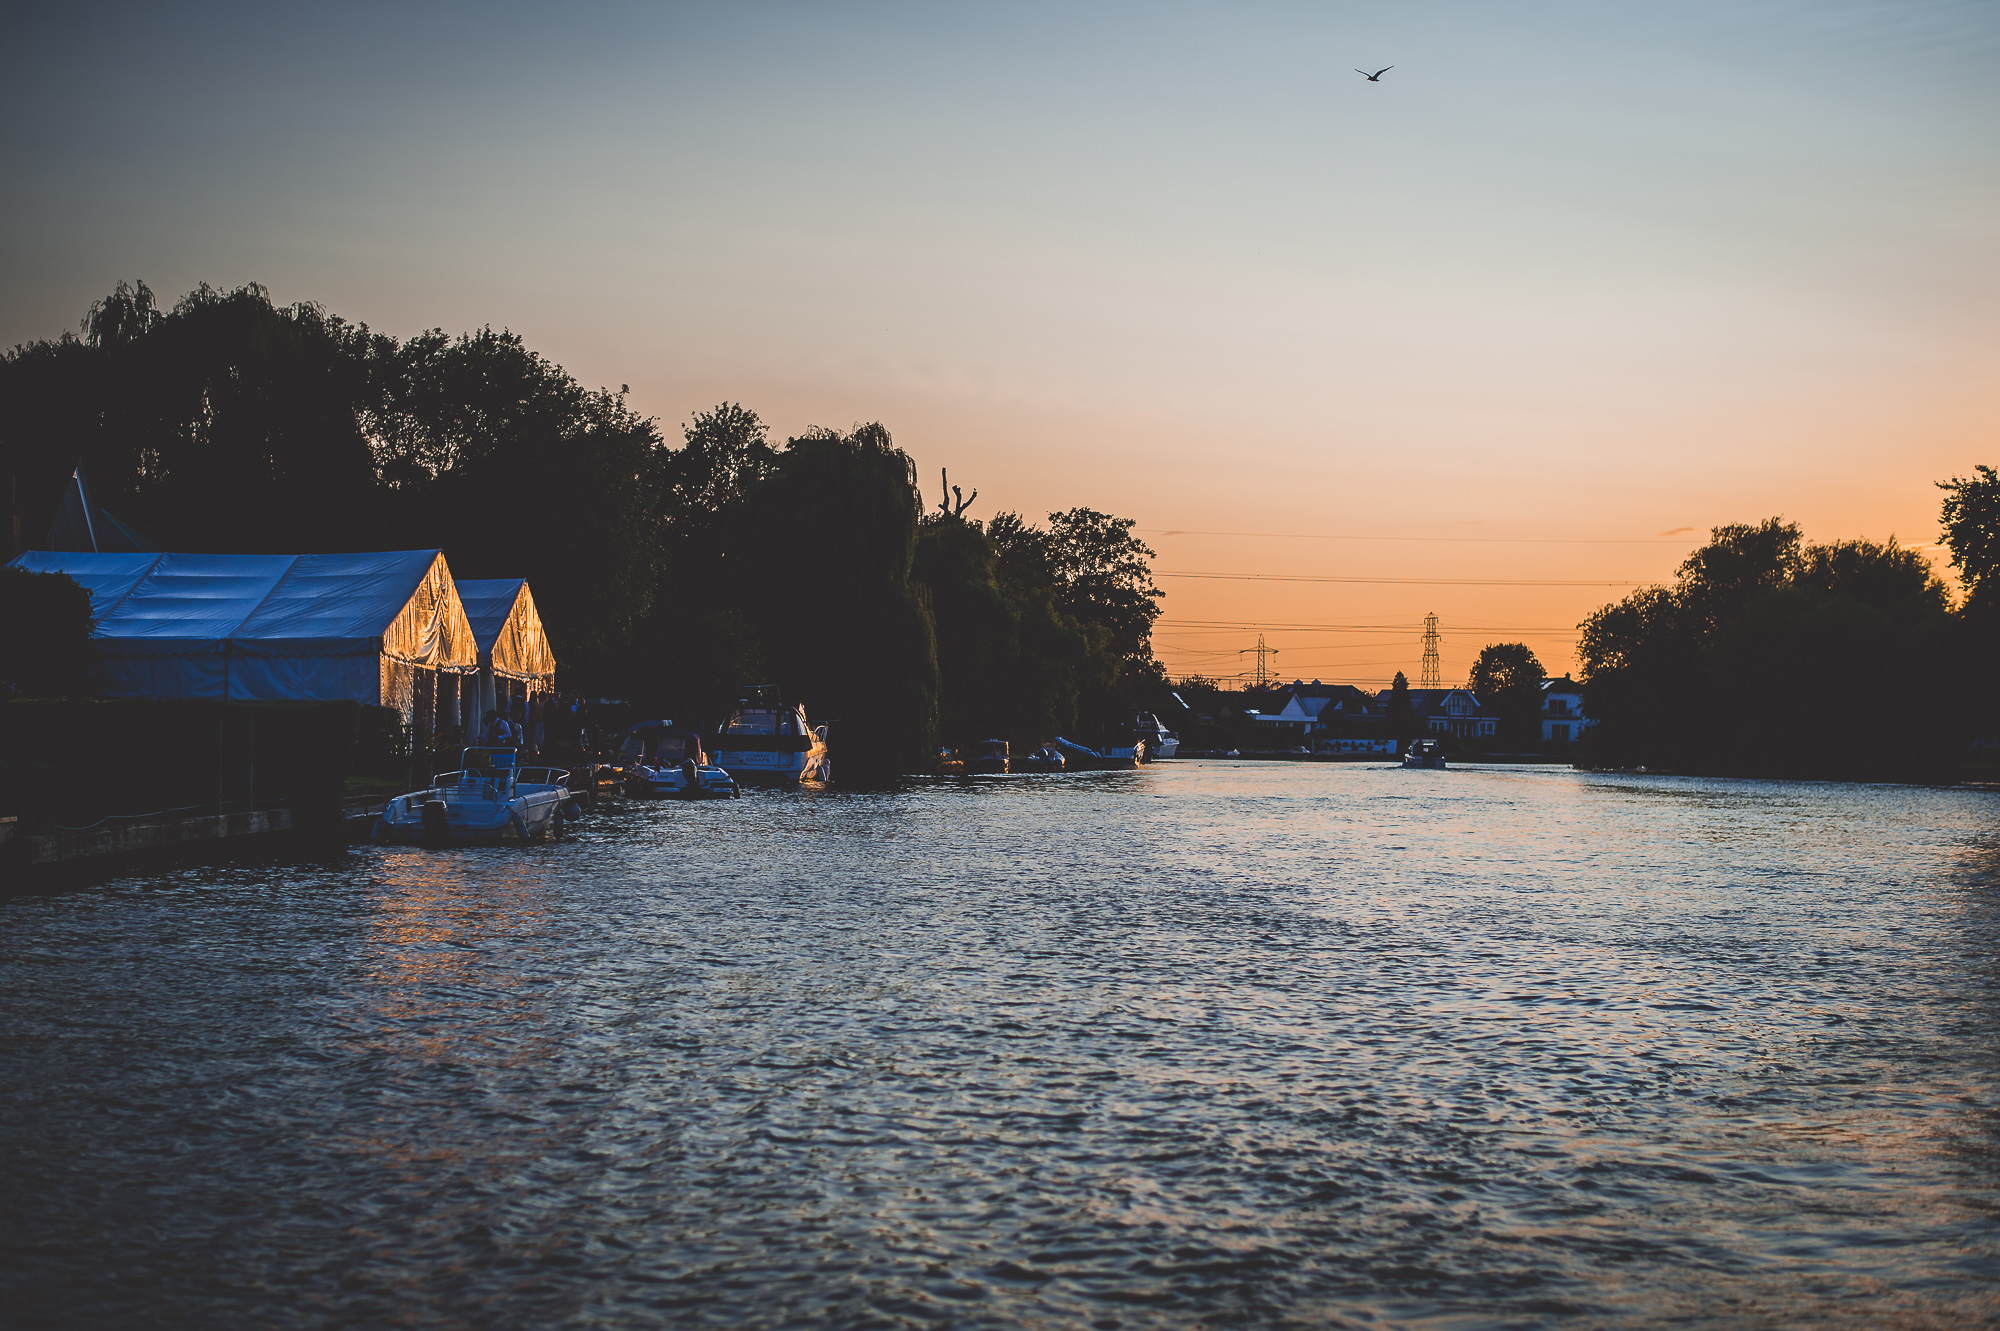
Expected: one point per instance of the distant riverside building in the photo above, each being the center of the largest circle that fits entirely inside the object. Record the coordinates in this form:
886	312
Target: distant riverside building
1562	710
1333	718
1454	712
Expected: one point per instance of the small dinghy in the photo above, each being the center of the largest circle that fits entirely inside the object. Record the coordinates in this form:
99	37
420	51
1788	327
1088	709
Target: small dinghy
667	762
491	800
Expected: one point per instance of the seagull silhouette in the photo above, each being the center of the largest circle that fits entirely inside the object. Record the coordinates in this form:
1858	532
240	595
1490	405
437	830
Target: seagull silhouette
1376	77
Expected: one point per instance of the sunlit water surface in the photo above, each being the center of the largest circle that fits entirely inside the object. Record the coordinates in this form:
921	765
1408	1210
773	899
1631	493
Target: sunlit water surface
1208	1044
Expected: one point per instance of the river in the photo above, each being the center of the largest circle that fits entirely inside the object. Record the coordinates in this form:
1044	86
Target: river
1206	1044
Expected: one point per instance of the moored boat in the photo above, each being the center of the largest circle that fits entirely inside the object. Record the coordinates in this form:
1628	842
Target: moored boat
491	800
988	756
1160	742
667	761
1048	758
1083	758
763	739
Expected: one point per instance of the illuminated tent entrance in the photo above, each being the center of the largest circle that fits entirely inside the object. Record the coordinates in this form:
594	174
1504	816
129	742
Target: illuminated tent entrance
384	629
515	663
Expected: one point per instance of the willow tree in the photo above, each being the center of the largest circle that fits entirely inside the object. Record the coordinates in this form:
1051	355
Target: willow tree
827	573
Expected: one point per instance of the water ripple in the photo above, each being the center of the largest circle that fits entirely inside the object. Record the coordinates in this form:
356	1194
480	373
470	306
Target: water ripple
1203	1045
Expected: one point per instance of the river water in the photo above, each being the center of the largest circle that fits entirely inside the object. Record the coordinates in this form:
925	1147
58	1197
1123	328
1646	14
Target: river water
1206	1044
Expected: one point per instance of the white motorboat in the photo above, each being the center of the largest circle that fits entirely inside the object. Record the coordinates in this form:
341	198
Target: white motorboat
765	740
1160	742
490	800
667	761
1424	753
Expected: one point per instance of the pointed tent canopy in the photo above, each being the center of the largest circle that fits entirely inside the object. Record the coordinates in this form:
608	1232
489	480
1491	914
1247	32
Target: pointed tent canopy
82	526
269	627
507	628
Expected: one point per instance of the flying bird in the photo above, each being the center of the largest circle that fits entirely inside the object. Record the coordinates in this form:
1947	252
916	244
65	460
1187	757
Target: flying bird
1376	77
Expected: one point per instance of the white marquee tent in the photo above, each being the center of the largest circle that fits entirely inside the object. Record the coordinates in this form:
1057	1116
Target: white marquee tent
372	627
514	655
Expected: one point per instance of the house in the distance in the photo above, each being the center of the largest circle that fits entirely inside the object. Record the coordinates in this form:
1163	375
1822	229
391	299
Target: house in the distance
1331	718
1562	711
1457	713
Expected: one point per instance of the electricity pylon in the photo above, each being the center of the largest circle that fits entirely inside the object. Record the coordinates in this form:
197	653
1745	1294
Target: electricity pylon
1432	675
1264	673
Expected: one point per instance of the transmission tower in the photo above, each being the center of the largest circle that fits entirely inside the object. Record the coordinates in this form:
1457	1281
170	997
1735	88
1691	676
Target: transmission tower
1431	672
1265	655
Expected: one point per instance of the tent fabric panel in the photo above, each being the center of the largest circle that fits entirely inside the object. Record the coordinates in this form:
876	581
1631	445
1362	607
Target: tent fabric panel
351	596
159	675
397	685
159	646
512	642
108	578
272	647
196	596
488	603
431	628
309	678
523	646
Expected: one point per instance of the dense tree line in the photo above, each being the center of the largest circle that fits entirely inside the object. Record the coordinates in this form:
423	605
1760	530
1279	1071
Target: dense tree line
1772	656
667	574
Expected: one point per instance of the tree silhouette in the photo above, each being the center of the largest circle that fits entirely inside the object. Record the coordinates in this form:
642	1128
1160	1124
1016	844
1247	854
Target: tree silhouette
1769	656
1508	679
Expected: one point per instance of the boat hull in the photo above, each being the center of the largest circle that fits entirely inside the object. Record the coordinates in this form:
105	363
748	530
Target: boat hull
761	766
671	783
413	822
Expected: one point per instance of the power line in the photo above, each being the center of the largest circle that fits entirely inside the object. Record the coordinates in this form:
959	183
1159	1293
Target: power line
1399	582
1478	540
1229	625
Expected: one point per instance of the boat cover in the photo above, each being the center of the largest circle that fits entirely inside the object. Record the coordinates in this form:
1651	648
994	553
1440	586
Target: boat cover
507	628
268	627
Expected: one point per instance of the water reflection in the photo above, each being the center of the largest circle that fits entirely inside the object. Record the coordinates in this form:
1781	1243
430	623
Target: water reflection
1219	1042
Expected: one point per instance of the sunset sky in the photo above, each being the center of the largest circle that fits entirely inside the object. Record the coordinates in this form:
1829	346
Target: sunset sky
1573	283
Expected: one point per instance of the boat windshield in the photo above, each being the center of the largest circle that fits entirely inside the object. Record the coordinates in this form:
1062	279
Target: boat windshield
495	765
753	721
663	748
667	750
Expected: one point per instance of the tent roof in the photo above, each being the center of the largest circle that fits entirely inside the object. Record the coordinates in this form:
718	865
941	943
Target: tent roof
108	578
292	598
488	602
507	627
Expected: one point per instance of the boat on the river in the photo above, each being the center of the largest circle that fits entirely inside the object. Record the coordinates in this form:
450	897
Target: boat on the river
667	761
1048	758
1083	758
1424	753
987	756
490	800
764	739
1160	742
